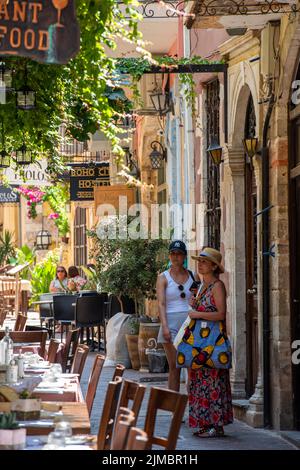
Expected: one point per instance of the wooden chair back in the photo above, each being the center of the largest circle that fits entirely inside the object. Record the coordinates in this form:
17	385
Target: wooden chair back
132	391
124	422
71	344
119	371
167	400
20	322
93	381
80	357
137	439
29	337
52	350
108	414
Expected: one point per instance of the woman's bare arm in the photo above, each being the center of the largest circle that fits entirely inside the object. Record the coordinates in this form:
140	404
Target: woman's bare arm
161	285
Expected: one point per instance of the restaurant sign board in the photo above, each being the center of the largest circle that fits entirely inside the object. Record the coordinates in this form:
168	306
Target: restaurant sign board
32	175
8	195
84	177
44	30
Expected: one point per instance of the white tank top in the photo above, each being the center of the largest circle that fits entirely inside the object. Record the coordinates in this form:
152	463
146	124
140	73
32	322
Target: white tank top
175	303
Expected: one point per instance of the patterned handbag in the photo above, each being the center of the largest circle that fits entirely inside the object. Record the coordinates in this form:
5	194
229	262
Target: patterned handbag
204	343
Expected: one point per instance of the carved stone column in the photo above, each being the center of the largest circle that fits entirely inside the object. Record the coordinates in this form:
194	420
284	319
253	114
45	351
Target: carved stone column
234	168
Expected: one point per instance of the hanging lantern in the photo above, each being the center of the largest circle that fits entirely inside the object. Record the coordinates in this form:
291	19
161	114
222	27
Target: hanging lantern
4	159
26	99
157	156
5	77
23	156
159	101
43	240
250	146
215	151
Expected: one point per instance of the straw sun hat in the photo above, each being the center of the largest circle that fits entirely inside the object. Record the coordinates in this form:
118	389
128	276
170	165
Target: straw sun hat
212	255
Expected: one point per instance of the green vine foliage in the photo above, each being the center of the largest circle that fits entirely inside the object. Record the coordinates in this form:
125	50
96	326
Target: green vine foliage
136	67
72	93
58	196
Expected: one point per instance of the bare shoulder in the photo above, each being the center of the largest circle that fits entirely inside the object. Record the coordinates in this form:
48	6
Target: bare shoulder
219	286
161	278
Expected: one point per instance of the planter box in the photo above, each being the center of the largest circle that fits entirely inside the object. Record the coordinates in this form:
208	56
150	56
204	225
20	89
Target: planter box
27	409
12	439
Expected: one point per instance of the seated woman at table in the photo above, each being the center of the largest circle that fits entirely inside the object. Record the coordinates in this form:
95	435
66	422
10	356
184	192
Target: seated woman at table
75	282
60	283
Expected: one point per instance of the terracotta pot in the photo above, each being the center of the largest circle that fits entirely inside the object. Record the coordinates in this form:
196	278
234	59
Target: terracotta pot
148	331
12	439
132	346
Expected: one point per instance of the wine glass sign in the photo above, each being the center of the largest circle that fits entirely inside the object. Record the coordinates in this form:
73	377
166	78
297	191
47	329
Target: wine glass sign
59	5
46	31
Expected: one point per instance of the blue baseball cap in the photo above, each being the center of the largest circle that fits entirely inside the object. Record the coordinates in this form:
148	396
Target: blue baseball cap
178	245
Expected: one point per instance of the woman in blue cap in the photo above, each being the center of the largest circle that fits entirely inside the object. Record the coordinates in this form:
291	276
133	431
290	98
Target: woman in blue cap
173	294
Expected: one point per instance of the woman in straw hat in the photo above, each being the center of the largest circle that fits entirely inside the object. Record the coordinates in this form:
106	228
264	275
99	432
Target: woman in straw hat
210	406
173	294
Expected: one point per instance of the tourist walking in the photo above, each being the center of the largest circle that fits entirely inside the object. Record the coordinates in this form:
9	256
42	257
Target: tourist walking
210	406
173	294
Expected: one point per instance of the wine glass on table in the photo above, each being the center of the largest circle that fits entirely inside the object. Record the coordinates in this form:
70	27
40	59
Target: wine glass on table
59	5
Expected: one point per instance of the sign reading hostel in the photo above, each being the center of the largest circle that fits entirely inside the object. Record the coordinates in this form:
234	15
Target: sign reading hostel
44	30
83	179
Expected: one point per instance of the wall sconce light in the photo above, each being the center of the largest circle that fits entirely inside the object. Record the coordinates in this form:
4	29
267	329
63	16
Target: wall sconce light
43	240
5	77
215	151
25	97
157	156
23	155
131	163
250	146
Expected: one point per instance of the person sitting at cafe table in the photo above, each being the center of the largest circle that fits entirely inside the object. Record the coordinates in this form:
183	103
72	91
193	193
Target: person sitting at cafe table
75	282
60	283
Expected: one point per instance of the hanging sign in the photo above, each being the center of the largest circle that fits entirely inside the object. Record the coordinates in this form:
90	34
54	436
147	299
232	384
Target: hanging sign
8	195
84	177
44	30
114	196
32	175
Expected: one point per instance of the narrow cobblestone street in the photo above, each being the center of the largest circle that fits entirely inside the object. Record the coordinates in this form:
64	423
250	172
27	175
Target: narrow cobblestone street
239	435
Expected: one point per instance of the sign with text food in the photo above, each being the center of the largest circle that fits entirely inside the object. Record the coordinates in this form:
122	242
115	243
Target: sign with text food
8	195
44	30
84	178
32	175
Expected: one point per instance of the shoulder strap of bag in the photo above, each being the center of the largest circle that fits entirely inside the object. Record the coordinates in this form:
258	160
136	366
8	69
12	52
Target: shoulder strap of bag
191	274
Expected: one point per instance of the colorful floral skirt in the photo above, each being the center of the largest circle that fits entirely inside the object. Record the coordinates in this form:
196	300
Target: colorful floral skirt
210	402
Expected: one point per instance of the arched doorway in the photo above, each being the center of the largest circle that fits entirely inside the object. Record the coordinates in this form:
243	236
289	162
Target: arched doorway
294	211
252	356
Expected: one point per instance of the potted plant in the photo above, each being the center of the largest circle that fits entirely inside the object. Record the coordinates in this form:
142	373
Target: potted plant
27	407
11	436
129	267
132	342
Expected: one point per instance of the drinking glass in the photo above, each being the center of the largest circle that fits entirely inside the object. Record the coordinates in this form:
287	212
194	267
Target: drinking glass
56	369
64	427
56	439
59	5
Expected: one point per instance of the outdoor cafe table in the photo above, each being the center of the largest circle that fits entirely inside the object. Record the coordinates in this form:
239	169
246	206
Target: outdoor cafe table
76	413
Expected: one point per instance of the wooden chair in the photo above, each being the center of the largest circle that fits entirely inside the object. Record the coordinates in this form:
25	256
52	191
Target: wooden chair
52	350
167	400
119	371
137	439
108	414
20	322
124	422
93	381
70	348
132	391
81	354
26	337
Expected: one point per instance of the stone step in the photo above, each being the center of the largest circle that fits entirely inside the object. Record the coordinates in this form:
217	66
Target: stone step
240	408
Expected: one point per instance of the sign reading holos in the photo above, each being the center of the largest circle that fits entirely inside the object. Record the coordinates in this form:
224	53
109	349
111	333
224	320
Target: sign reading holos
8	195
83	179
44	30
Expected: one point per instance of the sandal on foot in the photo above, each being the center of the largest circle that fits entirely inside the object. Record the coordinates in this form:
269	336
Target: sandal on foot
212	432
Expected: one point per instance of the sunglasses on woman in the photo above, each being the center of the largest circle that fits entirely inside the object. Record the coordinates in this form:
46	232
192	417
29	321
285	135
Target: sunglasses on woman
182	295
60	271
